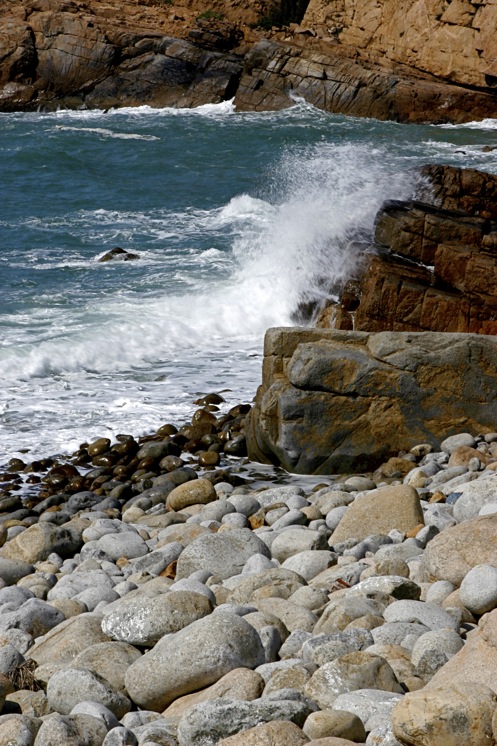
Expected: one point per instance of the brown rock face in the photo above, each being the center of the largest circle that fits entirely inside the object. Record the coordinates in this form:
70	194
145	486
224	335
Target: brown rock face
336	401
105	53
436	263
450	39
274	74
61	53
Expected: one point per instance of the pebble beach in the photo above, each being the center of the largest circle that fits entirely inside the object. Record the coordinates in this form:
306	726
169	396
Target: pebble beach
164	590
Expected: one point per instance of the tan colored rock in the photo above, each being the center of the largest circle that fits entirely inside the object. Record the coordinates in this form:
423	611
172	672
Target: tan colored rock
455	551
195	492
476	662
40	540
332	741
69	638
337	723
286	581
241	683
268	734
380	511
463	455
295	677
341	401
451	715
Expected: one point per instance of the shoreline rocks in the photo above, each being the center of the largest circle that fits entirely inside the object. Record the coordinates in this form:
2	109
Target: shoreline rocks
102	55
259	613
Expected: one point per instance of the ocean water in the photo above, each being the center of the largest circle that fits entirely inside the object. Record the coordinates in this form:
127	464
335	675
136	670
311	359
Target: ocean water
236	219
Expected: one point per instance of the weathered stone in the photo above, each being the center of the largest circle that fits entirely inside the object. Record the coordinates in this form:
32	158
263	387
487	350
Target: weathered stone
209	722
71	686
68	639
18	729
268	734
455	551
478	591
295	541
283	583
452	715
71	730
353	671
146	620
336	401
336	723
195	657
39	541
384	509
110	660
223	554
241	683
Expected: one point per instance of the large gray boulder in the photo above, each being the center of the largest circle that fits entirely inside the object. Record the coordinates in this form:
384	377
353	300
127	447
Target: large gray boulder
339	401
223	554
192	659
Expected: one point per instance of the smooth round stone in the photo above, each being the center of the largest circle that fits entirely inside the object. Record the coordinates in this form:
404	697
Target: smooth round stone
334	516
361	484
246	504
96	710
431	615
120	736
71	686
194	492
433	649
258	563
478	591
235	519
190	584
488	509
310	563
337	723
438	591
455	441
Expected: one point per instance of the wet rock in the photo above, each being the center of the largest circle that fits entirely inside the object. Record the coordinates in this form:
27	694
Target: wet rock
118	254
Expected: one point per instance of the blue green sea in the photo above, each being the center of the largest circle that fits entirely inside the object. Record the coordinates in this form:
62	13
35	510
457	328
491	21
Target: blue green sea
236	219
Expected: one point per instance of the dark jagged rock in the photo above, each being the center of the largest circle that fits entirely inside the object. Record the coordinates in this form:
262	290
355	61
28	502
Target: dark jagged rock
118	254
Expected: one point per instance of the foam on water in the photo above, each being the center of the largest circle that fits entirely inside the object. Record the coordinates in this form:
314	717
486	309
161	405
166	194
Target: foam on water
116	347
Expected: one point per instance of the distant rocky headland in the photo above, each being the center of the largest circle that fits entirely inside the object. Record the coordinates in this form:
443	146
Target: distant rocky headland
401	61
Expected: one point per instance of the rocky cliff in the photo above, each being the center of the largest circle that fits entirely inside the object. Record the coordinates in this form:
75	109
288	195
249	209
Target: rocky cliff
433	265
103	53
452	39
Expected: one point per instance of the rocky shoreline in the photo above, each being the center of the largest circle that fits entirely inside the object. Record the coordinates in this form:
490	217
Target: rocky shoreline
65	54
151	594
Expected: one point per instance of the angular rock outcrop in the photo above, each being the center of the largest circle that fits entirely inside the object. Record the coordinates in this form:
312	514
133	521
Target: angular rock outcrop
336	401
452	39
62	53
435	264
102	54
275	75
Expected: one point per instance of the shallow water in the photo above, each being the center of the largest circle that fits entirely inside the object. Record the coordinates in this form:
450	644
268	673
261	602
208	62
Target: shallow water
236	219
